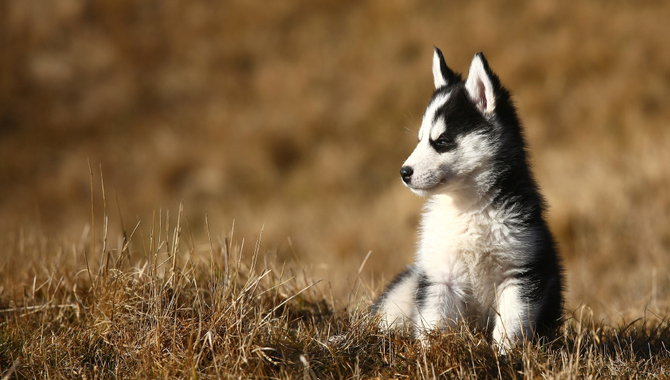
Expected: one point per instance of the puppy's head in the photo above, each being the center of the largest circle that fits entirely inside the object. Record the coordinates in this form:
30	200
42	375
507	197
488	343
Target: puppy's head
457	140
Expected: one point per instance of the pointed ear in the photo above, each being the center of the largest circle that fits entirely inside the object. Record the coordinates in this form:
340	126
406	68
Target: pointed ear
442	75
482	84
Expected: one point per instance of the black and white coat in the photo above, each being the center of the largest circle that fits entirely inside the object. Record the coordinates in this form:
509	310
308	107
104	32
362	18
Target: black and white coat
485	252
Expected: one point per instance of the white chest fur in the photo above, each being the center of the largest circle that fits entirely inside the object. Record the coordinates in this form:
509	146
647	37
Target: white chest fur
473	250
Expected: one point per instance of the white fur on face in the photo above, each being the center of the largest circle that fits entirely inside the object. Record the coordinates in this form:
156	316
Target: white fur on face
429	116
462	169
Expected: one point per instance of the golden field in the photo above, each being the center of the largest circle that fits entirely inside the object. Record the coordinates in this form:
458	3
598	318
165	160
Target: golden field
297	116
293	118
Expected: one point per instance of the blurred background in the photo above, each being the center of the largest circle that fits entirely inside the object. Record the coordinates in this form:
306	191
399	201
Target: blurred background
294	117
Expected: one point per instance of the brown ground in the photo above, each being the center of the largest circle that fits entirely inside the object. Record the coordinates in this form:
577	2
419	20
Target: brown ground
296	116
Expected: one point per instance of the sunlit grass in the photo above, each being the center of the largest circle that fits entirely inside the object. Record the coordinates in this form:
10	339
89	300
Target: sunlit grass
170	307
297	116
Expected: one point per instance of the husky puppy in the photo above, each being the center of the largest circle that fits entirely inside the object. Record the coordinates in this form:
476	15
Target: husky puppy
485	253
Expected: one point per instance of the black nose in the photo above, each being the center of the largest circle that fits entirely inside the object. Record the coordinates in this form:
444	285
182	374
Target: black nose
406	174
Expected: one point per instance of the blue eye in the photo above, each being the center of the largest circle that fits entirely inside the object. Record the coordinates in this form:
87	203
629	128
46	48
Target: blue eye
443	144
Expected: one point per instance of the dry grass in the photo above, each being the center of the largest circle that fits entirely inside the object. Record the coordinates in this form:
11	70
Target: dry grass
166	307
296	116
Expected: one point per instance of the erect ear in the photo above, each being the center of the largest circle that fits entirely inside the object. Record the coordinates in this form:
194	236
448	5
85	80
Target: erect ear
442	75
481	85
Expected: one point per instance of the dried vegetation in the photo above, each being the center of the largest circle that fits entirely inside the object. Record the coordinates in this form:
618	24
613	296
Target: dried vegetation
166	307
297	115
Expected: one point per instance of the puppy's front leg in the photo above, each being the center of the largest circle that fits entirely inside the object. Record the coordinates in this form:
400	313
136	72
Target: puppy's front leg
514	317
439	305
